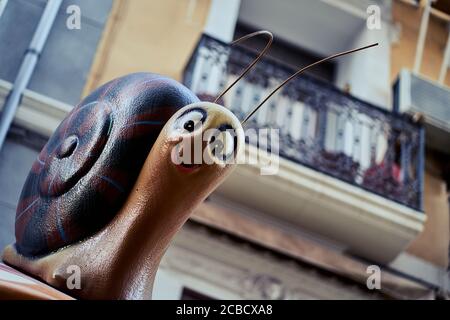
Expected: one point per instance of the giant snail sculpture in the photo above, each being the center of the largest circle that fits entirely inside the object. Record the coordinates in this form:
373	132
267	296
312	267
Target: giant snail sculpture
105	193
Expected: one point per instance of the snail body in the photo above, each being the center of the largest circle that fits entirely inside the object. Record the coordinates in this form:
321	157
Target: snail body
109	195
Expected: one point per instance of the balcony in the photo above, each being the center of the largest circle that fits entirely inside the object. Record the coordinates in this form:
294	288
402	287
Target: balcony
344	162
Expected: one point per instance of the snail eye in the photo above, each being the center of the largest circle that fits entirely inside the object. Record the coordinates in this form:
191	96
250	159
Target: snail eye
191	120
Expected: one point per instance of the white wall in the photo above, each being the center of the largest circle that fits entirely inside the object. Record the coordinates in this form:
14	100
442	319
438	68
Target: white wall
313	25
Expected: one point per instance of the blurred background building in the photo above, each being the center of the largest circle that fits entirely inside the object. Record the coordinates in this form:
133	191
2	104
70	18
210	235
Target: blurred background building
364	139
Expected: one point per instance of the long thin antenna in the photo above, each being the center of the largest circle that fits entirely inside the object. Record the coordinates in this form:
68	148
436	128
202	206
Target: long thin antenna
260	55
300	72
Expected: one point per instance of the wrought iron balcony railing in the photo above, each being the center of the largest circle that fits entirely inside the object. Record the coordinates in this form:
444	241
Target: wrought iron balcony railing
320	126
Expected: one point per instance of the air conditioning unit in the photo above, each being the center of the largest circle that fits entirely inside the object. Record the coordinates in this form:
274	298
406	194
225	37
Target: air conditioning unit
416	95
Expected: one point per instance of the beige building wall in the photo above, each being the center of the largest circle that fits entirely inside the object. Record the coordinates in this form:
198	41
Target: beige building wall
432	244
148	35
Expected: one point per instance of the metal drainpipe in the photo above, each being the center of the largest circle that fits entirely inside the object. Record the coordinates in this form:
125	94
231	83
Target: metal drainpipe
27	67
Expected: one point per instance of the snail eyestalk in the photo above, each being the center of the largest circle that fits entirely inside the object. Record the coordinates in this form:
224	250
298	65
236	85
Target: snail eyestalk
260	55
300	72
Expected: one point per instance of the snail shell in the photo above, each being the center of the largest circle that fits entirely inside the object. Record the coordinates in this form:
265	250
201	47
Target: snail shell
86	170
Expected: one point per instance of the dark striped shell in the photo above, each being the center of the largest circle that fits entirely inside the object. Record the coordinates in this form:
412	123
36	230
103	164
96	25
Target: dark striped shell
87	168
